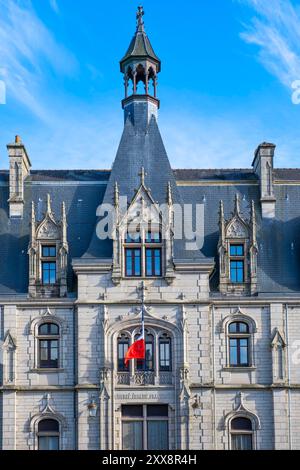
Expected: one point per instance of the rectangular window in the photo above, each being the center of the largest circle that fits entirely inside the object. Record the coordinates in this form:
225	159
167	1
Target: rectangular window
236	250
165	356
49	251
133	266
132	435
48	273
242	442
153	262
48	443
237	271
239	352
145	427
48	354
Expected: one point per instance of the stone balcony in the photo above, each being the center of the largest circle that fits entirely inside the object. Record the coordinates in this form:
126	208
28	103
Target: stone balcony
144	378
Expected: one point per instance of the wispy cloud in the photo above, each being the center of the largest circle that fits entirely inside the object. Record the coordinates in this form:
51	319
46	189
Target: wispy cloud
54	6
27	48
276	30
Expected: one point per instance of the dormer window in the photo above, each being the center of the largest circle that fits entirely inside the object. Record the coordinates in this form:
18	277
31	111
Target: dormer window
238	252
143	254
48	260
237	263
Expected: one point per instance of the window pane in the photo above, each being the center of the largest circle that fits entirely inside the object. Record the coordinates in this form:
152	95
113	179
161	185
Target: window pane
158	438
157	411
233	352
243	328
157	263
48	443
137	264
54	329
54	350
236	250
242	442
132	411
133	237
165	355
233	328
48	425
241	424
153	237
133	262
43	350
149	263
122	350
132	435
49	251
244	352
149	365
129	271
153	262
48	273
237	271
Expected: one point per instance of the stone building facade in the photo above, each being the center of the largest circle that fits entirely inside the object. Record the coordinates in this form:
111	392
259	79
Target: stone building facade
221	305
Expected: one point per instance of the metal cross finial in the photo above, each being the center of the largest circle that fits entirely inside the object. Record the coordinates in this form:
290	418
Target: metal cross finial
139	17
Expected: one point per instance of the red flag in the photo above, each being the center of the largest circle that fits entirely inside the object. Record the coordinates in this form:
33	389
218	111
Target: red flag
137	350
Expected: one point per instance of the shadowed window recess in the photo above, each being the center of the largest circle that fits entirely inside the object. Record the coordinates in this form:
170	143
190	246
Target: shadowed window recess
48	346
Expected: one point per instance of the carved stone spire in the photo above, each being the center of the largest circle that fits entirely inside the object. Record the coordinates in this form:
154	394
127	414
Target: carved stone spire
253	225
32	222
49	210
237	208
222	223
64	224
169	195
116	195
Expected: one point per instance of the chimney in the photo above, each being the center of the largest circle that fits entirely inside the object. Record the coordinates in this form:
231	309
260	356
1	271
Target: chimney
263	166
19	169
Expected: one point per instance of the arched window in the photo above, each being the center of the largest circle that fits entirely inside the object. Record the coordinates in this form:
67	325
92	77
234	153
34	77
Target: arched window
48	346
123	346
143	253
48	434
241	430
159	352
148	363
165	353
239	344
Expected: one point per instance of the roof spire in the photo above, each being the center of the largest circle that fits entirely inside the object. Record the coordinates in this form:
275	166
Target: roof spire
139	17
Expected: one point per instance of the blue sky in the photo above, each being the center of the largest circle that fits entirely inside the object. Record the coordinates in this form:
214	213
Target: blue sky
226	82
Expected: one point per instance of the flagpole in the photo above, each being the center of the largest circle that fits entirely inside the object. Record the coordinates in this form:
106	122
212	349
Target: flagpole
143	321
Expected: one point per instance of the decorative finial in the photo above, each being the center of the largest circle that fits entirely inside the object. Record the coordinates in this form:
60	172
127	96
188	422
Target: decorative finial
170	195
139	17
237	204
48	204
63	210
143	174
116	195
32	211
18	139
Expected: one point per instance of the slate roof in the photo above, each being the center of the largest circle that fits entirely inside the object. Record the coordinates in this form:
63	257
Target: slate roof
84	190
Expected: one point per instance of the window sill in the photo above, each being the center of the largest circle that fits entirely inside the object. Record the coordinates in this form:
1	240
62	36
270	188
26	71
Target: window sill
239	369
47	371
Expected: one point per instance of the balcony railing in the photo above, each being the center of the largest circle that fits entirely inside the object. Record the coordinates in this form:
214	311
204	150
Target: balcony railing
144	378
